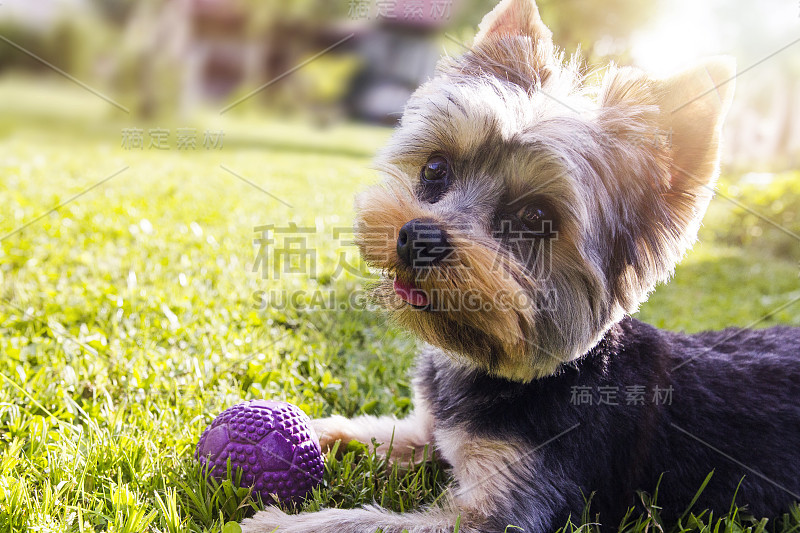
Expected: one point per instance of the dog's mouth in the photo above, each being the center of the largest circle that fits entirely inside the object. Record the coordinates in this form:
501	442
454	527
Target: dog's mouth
410	293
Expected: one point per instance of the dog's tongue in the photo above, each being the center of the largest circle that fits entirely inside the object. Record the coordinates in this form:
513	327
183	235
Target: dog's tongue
409	293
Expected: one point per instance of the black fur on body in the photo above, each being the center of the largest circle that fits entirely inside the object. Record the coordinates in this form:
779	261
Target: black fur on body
736	390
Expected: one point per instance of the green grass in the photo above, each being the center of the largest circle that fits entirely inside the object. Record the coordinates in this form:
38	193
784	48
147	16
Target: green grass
128	317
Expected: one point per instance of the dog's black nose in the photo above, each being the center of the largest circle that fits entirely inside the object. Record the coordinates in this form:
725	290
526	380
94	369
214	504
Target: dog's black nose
422	243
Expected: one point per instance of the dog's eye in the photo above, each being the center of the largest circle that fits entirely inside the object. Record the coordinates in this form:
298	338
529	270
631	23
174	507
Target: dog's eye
538	220
436	169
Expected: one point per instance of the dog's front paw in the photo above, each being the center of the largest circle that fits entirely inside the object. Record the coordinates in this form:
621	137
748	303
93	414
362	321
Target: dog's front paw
266	521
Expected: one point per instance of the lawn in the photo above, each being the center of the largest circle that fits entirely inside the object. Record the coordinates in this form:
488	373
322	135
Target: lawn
131	315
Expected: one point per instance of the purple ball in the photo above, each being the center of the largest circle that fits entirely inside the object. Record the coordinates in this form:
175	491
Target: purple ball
272	442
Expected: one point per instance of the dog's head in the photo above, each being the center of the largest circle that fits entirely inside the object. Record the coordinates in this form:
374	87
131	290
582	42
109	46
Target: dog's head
523	212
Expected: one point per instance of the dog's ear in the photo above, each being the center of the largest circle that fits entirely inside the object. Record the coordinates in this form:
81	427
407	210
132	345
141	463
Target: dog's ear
689	109
514	18
692	107
498	49
687	112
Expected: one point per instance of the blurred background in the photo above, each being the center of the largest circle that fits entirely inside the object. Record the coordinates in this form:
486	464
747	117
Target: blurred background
174	58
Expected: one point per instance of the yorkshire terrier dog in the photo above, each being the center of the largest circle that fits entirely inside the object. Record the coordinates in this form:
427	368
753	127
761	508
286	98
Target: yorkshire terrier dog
530	213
